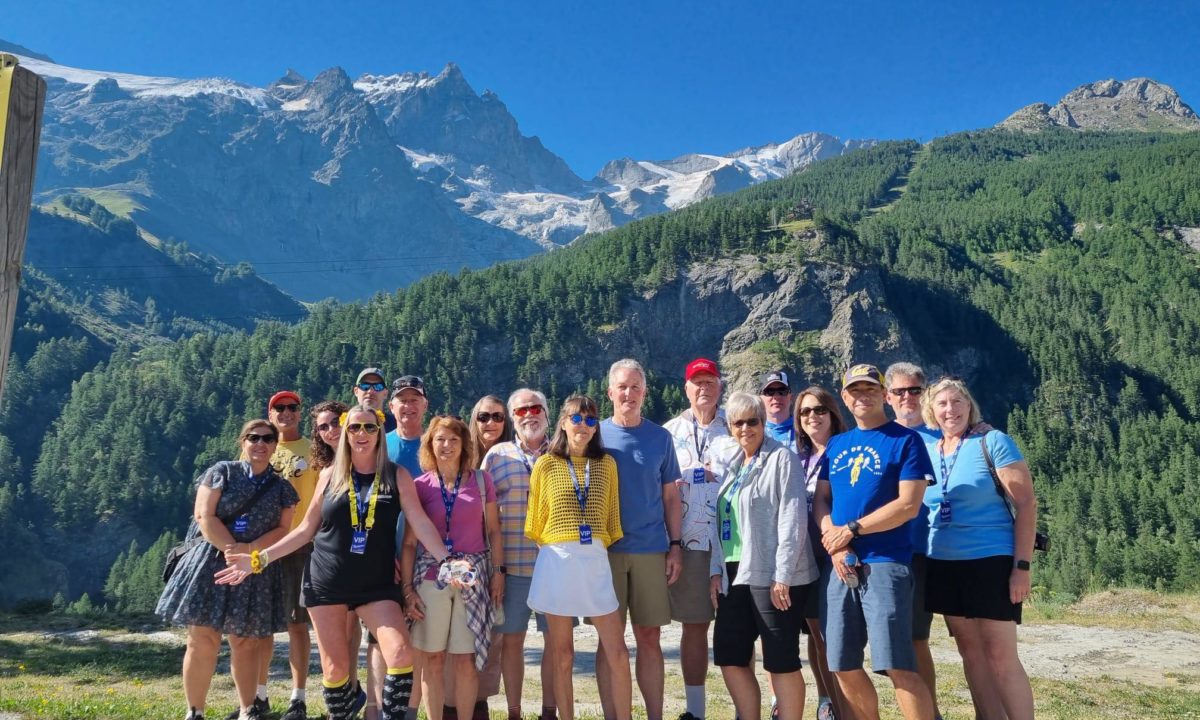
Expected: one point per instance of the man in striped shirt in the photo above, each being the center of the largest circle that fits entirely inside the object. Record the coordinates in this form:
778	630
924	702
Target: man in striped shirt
510	464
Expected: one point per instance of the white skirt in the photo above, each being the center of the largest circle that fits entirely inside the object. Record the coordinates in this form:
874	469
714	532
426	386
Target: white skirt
572	580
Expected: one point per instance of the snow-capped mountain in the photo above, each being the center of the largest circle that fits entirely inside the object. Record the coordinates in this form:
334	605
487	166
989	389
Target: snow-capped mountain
360	185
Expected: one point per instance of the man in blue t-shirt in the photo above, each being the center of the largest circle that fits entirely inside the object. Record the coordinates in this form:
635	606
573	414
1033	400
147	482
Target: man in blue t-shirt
408	405
871	484
775	390
650	555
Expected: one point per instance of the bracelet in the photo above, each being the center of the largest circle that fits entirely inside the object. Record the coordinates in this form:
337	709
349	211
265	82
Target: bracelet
258	561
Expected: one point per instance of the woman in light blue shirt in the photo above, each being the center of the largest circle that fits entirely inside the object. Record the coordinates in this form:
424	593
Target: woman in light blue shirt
979	551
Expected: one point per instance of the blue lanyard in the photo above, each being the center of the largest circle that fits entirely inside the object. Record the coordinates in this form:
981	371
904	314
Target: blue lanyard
581	495
962	440
737	482
448	500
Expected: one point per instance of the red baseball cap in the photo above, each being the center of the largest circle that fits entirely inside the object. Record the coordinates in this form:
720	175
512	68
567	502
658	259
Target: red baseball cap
283	395
701	365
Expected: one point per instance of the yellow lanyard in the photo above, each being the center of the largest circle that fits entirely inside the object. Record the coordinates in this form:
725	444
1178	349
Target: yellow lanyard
374	496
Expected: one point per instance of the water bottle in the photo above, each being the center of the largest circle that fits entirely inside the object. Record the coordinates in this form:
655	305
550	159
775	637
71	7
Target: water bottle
851	563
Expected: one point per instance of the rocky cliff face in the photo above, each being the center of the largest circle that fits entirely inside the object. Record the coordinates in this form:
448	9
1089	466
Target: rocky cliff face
1137	104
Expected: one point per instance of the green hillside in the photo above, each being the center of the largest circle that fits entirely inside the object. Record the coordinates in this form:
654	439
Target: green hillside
1045	265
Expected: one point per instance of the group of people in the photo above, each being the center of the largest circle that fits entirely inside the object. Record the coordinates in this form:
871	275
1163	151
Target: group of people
765	520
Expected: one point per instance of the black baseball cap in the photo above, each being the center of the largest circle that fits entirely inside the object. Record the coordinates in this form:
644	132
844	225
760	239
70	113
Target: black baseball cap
408	382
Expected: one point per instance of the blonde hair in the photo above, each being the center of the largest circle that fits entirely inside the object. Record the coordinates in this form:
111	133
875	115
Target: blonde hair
949	383
467	459
339	480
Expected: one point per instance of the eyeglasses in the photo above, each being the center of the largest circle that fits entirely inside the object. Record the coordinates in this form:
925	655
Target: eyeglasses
368	428
777	392
255	439
913	391
326	427
288	407
589	420
748	422
815	410
528	410
483	417
367	387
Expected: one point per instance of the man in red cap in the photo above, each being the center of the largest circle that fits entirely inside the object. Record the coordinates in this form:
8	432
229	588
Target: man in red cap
693	432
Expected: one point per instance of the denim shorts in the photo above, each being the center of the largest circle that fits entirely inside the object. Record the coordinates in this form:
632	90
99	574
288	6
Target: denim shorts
878	612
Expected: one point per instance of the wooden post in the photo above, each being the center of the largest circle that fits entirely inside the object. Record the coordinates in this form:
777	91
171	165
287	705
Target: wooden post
22	97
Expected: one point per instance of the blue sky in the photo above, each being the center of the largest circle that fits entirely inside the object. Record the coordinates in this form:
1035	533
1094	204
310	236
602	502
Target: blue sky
652	80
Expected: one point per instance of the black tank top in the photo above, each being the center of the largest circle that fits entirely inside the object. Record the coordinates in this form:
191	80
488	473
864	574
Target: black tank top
332	567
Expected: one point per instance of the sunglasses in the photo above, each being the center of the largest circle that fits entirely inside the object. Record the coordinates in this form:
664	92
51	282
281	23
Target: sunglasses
748	422
528	410
367	387
913	391
368	428
817	410
289	407
777	392
589	420
483	417
326	427
254	439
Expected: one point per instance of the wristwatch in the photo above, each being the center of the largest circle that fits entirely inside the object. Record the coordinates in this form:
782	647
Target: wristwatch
853	527
503	569
677	542
1022	565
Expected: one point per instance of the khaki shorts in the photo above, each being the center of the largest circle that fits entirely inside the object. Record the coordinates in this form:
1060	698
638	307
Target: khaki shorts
640	581
690	601
444	628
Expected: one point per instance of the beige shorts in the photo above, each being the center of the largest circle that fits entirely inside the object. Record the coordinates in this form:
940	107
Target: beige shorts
640	581
444	628
690	601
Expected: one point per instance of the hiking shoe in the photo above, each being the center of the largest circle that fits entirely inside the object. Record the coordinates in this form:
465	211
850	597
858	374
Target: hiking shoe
297	710
825	711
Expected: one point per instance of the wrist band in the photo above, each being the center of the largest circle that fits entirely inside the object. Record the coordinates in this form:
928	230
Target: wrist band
258	560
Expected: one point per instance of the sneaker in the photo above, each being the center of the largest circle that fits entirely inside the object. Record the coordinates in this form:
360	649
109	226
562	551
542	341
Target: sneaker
689	716
261	705
297	710
825	711
195	714
360	700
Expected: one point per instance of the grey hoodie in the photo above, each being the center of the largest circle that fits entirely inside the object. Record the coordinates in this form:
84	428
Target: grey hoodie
773	510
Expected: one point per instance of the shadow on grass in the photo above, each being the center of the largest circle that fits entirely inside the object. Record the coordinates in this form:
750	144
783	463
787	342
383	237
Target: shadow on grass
55	656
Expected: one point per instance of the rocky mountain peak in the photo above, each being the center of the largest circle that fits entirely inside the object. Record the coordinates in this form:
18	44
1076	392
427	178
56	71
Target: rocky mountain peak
11	47
106	90
290	79
1135	104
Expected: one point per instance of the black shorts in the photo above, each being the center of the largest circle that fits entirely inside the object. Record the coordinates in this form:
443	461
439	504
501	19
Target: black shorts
812	603
921	617
971	588
746	614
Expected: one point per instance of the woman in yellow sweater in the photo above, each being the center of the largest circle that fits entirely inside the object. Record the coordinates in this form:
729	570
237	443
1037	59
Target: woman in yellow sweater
573	517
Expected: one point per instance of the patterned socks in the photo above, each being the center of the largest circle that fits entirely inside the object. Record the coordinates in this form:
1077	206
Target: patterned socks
339	698
397	688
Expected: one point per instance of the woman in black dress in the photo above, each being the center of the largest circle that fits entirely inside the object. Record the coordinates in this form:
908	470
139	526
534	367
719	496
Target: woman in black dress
230	522
352	567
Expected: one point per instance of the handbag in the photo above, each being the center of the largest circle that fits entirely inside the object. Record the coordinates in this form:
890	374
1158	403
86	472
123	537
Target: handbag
195	539
1041	541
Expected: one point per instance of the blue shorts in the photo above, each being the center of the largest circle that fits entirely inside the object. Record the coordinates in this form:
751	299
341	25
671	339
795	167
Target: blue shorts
878	611
516	607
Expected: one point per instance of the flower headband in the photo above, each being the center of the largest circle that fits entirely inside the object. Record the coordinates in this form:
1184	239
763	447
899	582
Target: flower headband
342	419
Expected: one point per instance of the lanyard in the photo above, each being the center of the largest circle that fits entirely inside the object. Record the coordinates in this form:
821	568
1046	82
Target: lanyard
697	434
581	495
814	466
448	500
355	506
962	440
738	480
525	456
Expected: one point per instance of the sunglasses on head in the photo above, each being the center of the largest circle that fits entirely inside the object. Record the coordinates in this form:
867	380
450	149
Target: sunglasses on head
289	407
369	386
815	410
528	410
748	422
368	428
589	420
483	417
776	392
913	391
254	438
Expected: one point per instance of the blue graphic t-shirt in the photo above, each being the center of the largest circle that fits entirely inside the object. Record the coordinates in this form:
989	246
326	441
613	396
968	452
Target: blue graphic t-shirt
646	461
864	469
784	432
403	452
920	524
979	524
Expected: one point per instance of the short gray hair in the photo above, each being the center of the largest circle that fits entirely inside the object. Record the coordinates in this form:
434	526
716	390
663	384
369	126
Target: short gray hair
512	399
905	368
740	404
626	364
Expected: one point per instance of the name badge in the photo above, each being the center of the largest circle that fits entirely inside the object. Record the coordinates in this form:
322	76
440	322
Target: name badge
726	530
242	524
697	476
944	512
449	544
585	534
358	542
